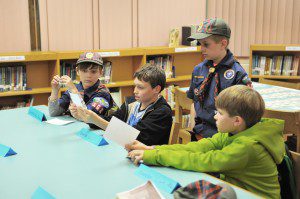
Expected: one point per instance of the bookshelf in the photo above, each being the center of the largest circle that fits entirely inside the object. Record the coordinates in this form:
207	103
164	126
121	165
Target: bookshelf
42	66
37	72
277	62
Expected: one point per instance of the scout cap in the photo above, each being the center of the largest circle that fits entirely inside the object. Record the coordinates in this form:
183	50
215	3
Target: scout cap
90	57
210	27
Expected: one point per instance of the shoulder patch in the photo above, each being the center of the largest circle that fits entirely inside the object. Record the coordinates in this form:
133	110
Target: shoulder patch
100	100
229	74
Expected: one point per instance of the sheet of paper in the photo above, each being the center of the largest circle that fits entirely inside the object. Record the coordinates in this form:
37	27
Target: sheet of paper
57	121
120	132
76	99
145	191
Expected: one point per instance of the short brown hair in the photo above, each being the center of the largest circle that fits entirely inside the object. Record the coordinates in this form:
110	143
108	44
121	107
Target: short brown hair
218	38
152	74
243	101
87	65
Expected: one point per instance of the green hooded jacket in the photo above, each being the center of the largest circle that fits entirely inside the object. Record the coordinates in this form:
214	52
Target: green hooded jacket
247	159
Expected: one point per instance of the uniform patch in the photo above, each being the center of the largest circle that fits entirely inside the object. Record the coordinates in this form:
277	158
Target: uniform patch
200	77
229	74
101	101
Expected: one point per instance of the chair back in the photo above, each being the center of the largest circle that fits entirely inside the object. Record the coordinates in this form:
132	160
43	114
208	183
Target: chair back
182	105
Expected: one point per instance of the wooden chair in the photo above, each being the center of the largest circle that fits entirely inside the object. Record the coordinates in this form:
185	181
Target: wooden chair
296	163
182	104
291	125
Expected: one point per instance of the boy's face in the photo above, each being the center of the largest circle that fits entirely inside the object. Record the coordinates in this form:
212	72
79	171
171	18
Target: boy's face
89	76
212	50
144	93
225	123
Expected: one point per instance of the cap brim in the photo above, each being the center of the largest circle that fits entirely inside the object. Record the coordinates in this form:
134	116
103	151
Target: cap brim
89	61
197	36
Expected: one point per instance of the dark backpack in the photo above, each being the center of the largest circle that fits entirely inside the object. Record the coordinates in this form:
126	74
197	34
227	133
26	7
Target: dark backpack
286	177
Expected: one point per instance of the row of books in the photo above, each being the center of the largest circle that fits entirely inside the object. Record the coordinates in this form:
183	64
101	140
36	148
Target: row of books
26	102
69	68
13	78
106	73
164	62
287	65
169	95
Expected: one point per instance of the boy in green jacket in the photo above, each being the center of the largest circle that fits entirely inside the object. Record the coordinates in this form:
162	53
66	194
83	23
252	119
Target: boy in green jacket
245	150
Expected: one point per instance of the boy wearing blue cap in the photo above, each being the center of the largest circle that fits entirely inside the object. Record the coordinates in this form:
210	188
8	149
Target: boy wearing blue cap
218	71
95	95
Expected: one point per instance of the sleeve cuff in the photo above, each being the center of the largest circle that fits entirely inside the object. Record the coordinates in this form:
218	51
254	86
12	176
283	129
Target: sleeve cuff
150	157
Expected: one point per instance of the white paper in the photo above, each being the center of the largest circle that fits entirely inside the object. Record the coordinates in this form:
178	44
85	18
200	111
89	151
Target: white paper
12	58
120	132
292	48
57	121
185	49
144	191
110	54
76	99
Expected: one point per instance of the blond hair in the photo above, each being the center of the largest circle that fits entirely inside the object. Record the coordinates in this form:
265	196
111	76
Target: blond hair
243	101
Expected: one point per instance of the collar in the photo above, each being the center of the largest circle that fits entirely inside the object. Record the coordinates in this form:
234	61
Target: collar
89	90
226	61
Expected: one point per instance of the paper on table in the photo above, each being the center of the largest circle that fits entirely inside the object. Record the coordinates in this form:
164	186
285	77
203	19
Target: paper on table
145	191
57	121
120	132
76	99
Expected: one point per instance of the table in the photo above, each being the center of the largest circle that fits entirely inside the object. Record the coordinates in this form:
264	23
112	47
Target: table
282	103
66	166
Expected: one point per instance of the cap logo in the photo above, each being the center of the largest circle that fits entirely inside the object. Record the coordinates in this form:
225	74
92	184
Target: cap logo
229	74
89	55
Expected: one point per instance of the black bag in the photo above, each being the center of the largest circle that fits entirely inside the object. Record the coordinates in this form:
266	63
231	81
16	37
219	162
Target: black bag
286	177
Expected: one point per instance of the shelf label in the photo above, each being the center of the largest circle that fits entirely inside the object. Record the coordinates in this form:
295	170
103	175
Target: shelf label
292	48
12	58
109	54
185	49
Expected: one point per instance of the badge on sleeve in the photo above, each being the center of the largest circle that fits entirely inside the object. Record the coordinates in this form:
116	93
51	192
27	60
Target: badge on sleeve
229	74
101	101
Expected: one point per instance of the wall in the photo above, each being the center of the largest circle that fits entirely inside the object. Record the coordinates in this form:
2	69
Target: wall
107	24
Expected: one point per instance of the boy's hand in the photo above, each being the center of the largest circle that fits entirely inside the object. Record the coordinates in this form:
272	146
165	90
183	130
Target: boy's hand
136	145
86	115
55	83
73	111
136	156
66	80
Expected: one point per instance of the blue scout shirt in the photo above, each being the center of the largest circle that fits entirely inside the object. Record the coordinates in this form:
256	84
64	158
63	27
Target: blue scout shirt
230	73
97	98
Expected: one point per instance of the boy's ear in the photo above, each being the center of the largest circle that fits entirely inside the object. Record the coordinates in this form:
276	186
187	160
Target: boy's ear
224	43
77	70
238	121
157	89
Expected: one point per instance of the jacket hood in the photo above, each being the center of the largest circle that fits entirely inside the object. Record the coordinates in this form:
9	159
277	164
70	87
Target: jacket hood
268	132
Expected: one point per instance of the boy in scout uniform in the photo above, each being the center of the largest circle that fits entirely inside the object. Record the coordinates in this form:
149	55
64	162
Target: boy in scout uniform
218	71
96	96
